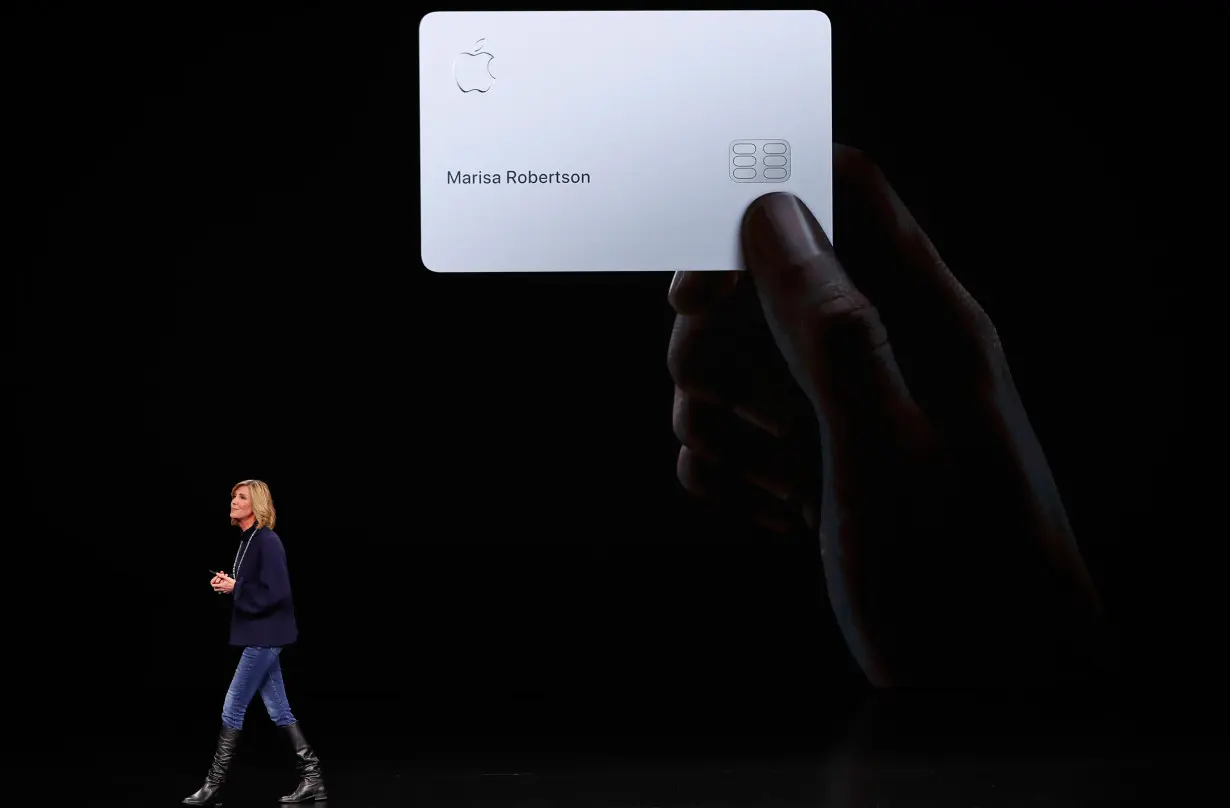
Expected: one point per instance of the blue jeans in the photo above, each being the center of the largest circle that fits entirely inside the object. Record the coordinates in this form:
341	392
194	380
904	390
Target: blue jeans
258	670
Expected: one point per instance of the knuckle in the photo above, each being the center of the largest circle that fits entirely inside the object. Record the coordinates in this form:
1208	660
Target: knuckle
986	354
681	354
698	292
681	417
976	340
857	165
849	318
984	329
690	359
685	470
696	427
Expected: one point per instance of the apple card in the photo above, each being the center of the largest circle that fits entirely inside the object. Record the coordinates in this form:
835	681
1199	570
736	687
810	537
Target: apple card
611	141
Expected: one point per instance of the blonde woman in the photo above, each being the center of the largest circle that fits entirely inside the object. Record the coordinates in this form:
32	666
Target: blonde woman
262	623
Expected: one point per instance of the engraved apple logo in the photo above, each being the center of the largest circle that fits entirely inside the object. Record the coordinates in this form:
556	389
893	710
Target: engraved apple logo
472	70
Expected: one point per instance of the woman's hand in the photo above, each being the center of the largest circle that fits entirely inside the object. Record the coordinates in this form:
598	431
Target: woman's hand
222	583
948	556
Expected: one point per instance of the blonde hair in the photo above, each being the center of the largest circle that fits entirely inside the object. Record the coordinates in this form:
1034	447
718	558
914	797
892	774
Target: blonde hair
262	502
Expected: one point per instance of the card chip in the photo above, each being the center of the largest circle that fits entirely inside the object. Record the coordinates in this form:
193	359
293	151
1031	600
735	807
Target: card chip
755	160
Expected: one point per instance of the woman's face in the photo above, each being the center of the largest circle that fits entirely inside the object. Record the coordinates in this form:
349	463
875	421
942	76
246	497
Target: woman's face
241	506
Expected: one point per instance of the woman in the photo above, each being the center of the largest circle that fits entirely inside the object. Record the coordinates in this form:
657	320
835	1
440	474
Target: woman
262	622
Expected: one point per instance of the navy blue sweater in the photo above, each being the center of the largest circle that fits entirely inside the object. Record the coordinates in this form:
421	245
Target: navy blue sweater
264	613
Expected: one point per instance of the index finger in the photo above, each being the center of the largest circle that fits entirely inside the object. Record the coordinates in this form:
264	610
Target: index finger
696	292
896	264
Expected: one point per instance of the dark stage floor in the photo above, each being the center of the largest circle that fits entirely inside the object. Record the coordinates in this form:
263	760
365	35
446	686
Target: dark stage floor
692	783
877	760
840	783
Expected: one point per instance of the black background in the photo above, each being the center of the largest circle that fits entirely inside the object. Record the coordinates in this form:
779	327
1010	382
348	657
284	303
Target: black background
474	475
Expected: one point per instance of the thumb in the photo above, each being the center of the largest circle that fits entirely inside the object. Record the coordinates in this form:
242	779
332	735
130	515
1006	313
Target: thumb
829	332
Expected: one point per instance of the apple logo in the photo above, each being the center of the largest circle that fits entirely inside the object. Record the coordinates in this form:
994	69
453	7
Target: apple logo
472	70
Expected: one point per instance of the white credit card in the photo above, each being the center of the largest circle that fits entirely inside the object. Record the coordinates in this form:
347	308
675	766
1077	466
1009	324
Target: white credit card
609	141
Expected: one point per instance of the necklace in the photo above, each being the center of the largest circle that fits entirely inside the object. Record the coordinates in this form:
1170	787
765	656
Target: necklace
243	546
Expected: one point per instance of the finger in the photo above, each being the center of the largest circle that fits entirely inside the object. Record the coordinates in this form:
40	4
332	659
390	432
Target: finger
727	357
711	482
943	338
710	367
697	292
830	334
716	434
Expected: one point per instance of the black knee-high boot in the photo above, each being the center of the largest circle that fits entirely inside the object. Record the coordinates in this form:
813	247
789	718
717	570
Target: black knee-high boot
311	781
228	739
